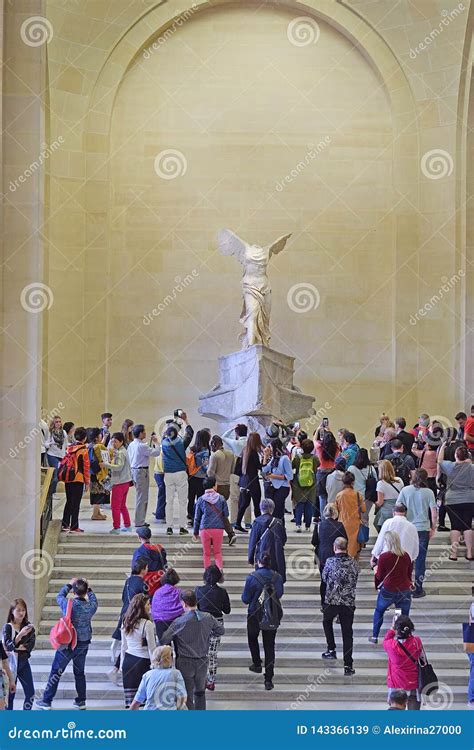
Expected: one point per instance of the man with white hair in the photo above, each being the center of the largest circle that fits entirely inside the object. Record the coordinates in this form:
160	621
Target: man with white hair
340	576
268	535
405	530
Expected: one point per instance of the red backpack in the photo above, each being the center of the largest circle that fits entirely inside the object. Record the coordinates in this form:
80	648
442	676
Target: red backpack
70	465
64	632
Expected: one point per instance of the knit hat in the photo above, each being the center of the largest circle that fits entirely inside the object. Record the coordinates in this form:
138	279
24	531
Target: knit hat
144	532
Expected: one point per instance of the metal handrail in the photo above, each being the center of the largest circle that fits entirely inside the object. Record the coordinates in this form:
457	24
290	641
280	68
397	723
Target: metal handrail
48	472
46	501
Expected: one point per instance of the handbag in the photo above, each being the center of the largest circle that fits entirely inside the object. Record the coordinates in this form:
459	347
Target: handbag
13	663
468	635
428	682
371	486
12	656
363	534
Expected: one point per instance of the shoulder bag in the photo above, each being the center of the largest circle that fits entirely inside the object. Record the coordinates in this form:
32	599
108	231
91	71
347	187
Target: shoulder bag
363	535
468	635
427	678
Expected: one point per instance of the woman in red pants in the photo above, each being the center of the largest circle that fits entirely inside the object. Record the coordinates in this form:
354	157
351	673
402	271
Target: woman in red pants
120	479
211	510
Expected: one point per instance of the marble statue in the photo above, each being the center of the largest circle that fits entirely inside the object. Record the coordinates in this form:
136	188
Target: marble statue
256	290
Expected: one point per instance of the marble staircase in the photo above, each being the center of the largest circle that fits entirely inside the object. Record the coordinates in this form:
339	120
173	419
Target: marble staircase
302	679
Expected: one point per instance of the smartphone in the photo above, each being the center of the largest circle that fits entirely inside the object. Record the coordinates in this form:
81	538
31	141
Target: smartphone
325	422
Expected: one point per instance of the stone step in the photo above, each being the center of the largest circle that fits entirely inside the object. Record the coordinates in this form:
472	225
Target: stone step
342	692
293	621
67	570
426	629
113	588
129	542
112	601
183	548
301	675
307	656
288	675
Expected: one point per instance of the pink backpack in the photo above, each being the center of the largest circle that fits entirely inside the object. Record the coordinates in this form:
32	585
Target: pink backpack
64	632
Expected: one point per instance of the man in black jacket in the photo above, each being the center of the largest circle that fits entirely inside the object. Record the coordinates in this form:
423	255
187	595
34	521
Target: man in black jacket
406	438
324	535
268	535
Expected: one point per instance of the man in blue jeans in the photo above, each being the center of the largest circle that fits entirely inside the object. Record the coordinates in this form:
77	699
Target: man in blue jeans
83	609
422	511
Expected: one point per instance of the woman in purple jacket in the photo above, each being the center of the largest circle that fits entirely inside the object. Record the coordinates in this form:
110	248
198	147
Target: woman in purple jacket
166	604
209	522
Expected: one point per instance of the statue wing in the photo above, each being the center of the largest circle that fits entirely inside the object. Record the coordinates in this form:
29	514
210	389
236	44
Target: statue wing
279	244
230	244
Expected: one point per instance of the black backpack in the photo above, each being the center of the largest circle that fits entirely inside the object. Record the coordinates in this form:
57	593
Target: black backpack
270	612
321	482
371	485
401	469
266	543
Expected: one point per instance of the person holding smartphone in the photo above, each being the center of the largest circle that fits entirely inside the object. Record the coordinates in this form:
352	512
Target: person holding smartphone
84	607
469	431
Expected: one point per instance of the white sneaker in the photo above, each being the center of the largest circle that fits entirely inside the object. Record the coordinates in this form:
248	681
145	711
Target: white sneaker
298	529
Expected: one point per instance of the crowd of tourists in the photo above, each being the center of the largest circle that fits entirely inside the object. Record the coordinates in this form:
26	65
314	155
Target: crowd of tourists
410	484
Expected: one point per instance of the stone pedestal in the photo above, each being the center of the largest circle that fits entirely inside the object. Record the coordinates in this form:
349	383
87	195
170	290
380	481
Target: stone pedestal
256	382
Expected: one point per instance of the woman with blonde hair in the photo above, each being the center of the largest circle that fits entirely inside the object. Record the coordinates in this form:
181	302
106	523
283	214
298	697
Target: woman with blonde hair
389	487
393	579
162	688
126	431
55	444
350	507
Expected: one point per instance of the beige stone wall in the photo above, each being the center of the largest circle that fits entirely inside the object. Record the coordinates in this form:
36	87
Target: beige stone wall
22	297
373	232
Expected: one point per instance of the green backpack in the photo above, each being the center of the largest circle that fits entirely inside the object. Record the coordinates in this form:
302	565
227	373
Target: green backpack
306	472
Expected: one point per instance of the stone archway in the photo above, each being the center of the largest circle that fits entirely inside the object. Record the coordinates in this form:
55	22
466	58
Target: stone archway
155	23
